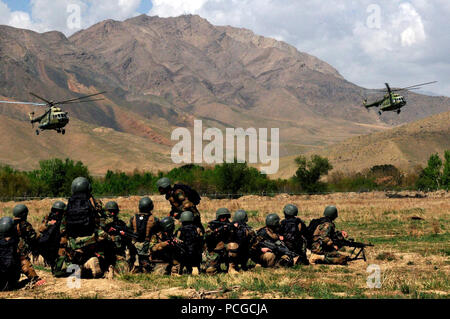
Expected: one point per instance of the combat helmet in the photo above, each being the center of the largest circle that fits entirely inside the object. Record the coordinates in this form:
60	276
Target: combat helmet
6	226
20	211
223	212
186	217
145	205
112	208
240	216
273	221
331	212
81	185
167	224
290	210
163	182
58	206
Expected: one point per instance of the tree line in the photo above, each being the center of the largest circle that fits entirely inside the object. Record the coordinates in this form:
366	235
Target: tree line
54	178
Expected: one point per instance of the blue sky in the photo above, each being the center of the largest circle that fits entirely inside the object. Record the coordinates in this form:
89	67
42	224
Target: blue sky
369	42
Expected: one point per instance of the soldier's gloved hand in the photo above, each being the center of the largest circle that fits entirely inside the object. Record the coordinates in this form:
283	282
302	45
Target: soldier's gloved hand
51	222
265	250
336	247
122	233
281	237
344	234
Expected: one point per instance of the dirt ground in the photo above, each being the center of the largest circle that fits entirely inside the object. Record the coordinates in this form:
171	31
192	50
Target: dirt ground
411	253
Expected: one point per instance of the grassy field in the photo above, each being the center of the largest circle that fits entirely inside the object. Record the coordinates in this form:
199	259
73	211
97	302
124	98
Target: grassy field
411	238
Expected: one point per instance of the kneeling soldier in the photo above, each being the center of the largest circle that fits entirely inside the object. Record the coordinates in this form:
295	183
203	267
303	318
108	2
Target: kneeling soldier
293	230
220	245
324	248
144	225
268	249
191	240
244	236
165	247
12	258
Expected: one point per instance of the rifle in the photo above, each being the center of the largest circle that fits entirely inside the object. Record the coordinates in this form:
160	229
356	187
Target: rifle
122	231
355	245
279	248
219	227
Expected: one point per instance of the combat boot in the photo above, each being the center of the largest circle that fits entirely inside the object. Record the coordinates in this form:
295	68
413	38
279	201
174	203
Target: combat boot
92	268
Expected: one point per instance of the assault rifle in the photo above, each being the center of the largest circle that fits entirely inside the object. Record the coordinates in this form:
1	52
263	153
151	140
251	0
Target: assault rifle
358	248
122	231
279	248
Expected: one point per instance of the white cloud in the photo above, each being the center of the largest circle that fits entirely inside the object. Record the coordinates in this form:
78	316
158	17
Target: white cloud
410	46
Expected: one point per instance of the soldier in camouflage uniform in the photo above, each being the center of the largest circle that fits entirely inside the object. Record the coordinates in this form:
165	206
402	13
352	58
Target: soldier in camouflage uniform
244	235
83	241
179	201
265	256
324	236
144	224
50	233
13	259
190	237
165	247
116	229
294	232
221	248
27	239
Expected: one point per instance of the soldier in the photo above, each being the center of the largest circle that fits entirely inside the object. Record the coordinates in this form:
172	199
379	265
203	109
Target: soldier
293	230
181	198
121	236
244	237
191	238
144	226
165	247
26	232
220	245
84	239
324	236
50	233
268	249
12	258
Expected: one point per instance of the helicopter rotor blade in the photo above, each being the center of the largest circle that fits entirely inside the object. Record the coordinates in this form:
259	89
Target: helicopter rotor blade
80	98
26	103
76	102
41	98
412	86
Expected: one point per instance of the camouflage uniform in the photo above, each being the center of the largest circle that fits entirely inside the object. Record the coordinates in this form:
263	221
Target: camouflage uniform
191	238
163	248
293	230
50	251
244	236
92	252
27	245
323	242
179	203
268	259
143	224
220	247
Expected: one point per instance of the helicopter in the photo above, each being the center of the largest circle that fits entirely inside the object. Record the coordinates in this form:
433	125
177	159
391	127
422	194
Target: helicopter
54	118
392	101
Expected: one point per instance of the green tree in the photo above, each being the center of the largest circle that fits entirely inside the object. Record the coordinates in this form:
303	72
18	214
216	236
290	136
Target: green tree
55	176
431	176
309	172
231	177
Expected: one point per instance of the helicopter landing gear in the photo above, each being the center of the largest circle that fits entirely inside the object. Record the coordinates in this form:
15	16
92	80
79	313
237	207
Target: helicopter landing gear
63	131
37	132
379	112
398	111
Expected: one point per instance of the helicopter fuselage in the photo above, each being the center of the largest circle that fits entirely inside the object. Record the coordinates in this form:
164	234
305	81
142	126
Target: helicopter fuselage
397	103
53	119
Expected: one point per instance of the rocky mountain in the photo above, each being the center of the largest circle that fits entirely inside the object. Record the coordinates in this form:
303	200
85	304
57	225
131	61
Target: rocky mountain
161	73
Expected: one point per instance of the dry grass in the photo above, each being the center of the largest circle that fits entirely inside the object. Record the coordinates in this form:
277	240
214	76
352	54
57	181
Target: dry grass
413	254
